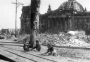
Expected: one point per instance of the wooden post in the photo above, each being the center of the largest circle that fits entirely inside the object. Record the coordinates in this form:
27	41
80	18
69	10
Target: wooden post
35	4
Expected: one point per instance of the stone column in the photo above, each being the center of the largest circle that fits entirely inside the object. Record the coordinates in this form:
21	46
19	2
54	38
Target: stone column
71	23
65	24
61	24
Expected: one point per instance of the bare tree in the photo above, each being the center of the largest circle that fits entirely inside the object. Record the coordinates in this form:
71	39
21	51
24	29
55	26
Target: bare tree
35	5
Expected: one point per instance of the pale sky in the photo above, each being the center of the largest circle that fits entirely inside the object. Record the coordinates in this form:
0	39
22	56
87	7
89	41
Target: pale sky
7	10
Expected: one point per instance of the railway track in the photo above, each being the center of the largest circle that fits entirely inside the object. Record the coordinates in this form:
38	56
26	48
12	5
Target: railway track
17	50
11	57
26	55
5	59
69	47
20	45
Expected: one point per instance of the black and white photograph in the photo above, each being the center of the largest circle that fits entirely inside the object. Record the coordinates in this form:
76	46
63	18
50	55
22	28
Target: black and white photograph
44	31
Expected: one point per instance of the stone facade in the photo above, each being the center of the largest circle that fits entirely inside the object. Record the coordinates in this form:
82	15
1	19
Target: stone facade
69	16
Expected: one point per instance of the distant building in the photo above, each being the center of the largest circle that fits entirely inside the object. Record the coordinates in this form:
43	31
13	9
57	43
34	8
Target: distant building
69	16
5	31
25	20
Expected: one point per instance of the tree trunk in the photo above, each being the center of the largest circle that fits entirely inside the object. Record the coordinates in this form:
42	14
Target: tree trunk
35	5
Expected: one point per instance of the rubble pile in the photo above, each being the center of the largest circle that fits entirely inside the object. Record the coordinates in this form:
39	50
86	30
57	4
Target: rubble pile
21	39
71	38
55	39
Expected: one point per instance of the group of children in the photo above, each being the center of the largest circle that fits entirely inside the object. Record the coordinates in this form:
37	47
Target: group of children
50	50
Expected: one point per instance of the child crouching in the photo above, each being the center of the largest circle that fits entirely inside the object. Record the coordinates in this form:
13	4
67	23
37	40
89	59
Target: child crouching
38	46
51	50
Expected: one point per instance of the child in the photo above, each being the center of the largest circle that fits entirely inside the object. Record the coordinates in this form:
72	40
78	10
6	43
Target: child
51	50
37	47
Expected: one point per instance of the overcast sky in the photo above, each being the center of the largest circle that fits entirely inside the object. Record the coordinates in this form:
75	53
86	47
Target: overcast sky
7	10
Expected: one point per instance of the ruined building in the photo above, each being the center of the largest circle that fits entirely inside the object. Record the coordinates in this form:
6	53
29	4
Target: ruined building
69	16
25	20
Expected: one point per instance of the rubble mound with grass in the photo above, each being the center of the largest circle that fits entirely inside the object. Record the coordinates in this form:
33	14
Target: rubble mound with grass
71	38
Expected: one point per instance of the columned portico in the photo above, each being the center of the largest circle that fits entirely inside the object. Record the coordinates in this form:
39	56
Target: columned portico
65	18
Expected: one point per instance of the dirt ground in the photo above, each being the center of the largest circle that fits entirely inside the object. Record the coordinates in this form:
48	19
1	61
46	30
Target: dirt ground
81	54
